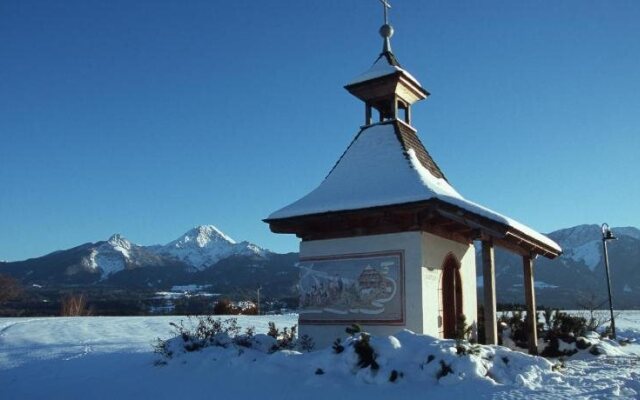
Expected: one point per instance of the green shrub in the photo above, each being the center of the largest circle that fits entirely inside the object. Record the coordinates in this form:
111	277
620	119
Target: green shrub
353	329
366	355
305	343
445	369
337	346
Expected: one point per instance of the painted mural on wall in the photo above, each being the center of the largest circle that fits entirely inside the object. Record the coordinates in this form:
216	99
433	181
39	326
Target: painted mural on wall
356	288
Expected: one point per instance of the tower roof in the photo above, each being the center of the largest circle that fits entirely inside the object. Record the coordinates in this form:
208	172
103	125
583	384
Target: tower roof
386	64
386	81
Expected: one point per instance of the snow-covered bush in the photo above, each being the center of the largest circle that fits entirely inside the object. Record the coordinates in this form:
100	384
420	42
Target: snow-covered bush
202	332
565	335
380	360
285	340
562	334
512	329
406	355
207	331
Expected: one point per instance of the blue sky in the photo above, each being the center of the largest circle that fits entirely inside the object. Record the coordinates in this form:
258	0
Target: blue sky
147	118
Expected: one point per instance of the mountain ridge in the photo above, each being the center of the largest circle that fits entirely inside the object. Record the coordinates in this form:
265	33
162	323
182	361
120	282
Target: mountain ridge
199	248
205	255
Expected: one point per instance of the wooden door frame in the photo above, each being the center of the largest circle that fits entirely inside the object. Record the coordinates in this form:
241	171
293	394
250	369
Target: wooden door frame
451	280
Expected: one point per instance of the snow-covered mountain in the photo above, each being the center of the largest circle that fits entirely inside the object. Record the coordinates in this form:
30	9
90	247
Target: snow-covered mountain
110	256
196	250
205	245
579	273
205	255
583	243
118	254
582	234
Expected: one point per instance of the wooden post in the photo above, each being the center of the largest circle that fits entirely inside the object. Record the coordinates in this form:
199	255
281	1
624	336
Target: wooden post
530	297
367	118
395	108
489	286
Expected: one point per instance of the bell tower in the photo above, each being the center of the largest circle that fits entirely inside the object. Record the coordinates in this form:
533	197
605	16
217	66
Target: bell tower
386	87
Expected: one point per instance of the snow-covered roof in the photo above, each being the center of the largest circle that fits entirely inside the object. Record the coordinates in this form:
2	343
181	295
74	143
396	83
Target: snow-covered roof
378	169
384	65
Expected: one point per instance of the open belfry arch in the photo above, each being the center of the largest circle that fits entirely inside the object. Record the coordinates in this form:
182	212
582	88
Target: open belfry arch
387	242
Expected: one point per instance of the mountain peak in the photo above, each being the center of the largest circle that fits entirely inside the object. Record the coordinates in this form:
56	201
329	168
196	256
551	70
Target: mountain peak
119	242
210	231
204	245
203	236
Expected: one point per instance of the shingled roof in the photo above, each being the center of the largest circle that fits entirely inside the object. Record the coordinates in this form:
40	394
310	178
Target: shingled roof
409	140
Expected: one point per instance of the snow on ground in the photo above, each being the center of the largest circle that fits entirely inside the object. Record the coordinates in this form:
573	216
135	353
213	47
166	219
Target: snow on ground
538	285
112	357
189	288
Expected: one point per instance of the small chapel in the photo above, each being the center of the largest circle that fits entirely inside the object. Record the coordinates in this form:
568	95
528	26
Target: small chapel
386	241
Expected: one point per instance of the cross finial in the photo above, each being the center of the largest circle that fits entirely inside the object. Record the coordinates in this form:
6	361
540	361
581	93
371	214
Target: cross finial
386	31
385	7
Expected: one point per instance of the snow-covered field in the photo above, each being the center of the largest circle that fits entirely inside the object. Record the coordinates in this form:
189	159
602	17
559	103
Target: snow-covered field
112	358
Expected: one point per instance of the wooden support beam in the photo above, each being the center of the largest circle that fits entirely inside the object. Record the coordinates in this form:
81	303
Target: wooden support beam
394	111
530	297
367	117
489	281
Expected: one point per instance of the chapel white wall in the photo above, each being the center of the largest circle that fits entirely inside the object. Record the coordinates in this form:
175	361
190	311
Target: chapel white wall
435	251
410	243
424	255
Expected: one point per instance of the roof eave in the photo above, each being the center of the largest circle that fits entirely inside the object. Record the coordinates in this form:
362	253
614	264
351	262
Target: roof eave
501	231
484	228
413	83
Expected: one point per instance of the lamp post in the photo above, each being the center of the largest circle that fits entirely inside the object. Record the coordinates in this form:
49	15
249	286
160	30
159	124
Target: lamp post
606	236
